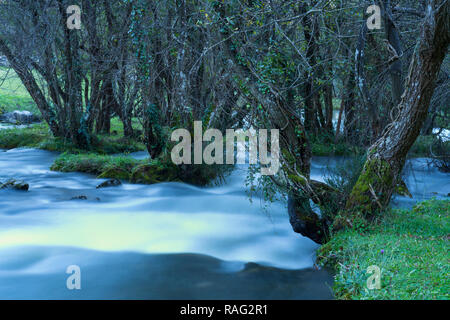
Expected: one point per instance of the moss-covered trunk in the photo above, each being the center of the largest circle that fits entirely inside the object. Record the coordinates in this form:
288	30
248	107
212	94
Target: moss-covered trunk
386	157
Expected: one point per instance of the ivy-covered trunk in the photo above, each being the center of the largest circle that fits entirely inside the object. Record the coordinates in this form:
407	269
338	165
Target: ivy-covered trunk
386	157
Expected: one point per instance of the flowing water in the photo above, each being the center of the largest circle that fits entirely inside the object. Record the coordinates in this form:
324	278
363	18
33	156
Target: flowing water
163	241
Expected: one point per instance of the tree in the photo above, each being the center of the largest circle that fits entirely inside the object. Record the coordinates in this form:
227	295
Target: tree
386	157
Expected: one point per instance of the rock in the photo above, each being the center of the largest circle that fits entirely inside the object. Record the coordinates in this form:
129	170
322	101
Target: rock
109	183
150	174
19	117
79	198
16	185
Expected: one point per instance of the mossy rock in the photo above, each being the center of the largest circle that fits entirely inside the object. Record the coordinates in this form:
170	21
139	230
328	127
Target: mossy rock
154	173
115	173
15	184
109	183
79	198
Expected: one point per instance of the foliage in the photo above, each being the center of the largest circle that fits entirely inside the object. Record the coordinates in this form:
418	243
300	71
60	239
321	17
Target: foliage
13	95
93	163
410	247
30	136
421	147
39	136
324	145
136	171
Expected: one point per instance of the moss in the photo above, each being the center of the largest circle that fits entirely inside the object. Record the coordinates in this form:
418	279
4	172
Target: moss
93	163
288	156
124	168
15	184
135	171
297	179
154	173
377	178
402	189
409	246
116	144
115	173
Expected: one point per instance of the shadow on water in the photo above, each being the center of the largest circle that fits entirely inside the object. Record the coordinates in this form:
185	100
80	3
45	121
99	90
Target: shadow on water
124	275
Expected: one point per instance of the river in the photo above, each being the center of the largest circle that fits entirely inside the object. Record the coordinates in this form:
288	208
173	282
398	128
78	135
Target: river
163	241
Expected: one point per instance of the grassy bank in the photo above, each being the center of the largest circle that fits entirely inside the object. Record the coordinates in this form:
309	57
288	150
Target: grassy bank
118	167
102	160
409	246
146	171
39	136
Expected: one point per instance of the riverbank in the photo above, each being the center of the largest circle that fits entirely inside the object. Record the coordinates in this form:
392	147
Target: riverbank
109	156
409	246
38	136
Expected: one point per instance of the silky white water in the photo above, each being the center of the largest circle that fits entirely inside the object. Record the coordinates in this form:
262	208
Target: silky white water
162	241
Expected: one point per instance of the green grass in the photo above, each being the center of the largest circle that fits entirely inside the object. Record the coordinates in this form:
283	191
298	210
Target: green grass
39	136
31	136
146	171
119	167
409	246
96	160
94	163
13	95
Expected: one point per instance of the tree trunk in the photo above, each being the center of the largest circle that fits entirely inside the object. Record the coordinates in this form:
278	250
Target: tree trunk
394	44
309	93
26	76
386	157
361	82
328	101
349	107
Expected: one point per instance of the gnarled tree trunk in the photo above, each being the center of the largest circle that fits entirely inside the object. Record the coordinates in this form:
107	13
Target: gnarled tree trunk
386	157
